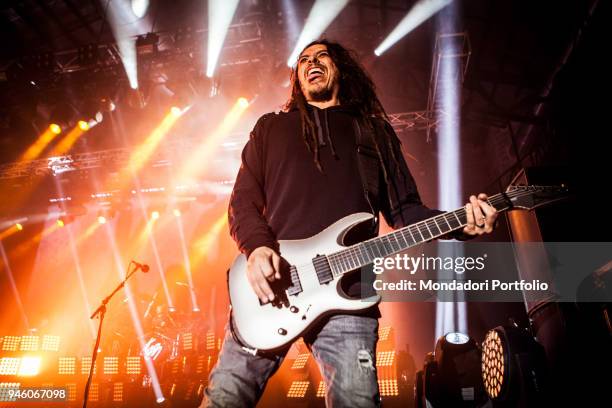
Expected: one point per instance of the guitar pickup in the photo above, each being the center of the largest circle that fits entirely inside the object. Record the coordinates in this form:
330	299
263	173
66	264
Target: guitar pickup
296	286
323	270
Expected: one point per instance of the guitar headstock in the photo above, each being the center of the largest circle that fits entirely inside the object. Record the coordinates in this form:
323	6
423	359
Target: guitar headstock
530	197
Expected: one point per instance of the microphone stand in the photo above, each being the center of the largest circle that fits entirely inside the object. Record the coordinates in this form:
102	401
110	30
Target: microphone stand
100	311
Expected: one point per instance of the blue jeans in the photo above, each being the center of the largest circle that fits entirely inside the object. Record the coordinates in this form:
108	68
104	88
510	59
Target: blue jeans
344	347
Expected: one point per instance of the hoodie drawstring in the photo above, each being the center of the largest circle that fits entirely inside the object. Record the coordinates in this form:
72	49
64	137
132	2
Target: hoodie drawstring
324	129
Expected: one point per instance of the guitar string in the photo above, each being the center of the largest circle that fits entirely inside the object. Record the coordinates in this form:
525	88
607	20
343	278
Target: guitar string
342	255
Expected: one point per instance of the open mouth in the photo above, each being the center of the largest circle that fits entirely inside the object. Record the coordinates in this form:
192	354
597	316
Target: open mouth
314	73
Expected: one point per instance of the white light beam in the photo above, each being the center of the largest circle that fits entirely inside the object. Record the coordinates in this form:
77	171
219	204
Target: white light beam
420	12
220	15
322	13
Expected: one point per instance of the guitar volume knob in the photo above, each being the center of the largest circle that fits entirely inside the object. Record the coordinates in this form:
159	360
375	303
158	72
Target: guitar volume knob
294	309
282	331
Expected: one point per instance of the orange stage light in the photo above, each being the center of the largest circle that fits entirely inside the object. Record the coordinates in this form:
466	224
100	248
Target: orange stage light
29	367
68	141
83	125
204	245
10	231
144	152
55	128
203	154
34	151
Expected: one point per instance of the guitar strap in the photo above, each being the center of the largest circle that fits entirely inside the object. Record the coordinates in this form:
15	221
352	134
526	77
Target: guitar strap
369	164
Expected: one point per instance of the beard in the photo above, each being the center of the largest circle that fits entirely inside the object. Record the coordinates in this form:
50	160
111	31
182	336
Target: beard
320	93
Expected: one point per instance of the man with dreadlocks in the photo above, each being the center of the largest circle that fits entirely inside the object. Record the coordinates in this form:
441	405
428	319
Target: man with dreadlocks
301	171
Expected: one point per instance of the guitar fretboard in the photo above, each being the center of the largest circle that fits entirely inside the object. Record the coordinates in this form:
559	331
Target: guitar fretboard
364	253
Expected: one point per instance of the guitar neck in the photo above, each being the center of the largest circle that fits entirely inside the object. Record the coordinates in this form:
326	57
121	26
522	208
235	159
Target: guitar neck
364	253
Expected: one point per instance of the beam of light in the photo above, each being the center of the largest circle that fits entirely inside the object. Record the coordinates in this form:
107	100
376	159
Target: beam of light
39	145
204	153
179	224
110	233
18	223
321	15
93	227
148	230
24	247
205	245
11	279
220	15
77	264
126	26
150	236
146	149
291	20
127	52
10	231
420	12
68	141
450	316
139	7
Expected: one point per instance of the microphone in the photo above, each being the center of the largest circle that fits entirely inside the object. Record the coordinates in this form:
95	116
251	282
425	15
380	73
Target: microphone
142	267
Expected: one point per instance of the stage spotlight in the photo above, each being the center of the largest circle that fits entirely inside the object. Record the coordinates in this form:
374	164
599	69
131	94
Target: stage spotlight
147	44
19	227
451	375
155	215
9	365
176	111
55	128
176	212
60	223
300	361
133	365
106	105
101	219
66	366
243	103
29	367
50	343
29	343
513	367
111	365
83	125
298	389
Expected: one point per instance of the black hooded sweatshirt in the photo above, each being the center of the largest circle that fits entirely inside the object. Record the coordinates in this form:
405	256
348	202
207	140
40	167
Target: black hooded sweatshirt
279	193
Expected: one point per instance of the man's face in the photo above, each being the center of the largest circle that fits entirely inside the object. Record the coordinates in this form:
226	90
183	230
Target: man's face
317	73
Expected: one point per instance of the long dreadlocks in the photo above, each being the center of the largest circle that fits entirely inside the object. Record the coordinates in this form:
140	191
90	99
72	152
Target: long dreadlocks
356	91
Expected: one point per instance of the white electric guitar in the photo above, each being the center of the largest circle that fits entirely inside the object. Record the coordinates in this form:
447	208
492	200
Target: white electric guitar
310	287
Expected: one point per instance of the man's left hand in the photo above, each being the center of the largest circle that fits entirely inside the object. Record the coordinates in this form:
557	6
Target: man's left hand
480	216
